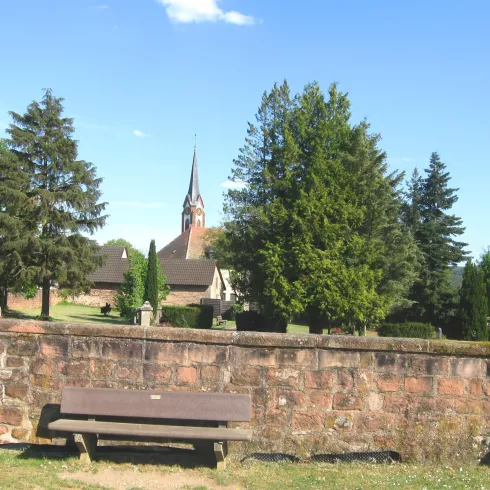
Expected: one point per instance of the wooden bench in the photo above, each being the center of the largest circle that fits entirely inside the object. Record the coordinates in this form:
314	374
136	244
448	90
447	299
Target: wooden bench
220	321
205	414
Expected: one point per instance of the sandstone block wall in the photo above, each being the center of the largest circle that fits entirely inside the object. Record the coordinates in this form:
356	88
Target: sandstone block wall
186	295
96	297
17	301
311	394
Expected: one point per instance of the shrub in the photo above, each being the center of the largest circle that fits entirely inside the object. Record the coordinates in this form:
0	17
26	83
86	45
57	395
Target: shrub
233	311
412	330
252	321
196	316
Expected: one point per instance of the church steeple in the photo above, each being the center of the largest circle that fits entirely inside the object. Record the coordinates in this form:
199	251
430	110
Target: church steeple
194	182
193	213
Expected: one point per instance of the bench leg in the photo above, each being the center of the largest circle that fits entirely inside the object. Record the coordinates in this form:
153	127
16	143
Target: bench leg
87	444
221	451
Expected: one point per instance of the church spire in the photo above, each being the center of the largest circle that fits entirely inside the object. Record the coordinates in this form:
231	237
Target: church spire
193	213
194	182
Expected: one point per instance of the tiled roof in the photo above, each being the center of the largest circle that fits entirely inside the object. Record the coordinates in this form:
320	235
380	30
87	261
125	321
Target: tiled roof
188	272
176	249
116	264
188	245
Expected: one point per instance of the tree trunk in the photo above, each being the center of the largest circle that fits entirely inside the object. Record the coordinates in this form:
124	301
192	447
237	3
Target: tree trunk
46	293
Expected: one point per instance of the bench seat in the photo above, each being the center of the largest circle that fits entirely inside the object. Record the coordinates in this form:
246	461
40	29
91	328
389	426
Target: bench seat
150	430
204	416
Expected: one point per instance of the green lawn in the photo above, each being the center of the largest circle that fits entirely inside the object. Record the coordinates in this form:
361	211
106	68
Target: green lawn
88	314
29	469
70	313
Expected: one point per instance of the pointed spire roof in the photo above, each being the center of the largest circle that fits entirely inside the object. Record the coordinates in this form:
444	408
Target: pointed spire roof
193	192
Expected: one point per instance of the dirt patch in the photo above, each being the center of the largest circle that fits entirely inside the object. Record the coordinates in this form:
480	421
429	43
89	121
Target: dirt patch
148	480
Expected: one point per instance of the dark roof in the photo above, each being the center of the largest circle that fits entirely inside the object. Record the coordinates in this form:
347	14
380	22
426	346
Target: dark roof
193	191
189	245
115	265
190	272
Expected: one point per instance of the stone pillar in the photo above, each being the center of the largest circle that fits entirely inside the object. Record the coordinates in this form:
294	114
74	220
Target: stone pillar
145	314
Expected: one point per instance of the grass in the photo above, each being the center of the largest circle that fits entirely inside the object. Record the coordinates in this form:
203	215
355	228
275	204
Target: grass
70	313
25	470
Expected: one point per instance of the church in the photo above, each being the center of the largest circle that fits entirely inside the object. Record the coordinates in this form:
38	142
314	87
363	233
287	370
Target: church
190	275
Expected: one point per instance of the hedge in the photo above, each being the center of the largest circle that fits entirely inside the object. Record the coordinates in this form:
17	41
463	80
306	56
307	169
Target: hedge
412	330
252	321
233	311
195	316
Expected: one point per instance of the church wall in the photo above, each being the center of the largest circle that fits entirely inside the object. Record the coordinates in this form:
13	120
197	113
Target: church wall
98	296
186	295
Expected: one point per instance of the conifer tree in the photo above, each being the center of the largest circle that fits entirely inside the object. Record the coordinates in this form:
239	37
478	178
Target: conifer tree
472	313
151	283
14	229
313	229
435	231
64	193
485	268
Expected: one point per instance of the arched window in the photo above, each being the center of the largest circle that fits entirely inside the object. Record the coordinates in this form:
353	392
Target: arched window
198	223
187	223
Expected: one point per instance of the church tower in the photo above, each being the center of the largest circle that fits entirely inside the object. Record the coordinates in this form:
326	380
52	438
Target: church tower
193	213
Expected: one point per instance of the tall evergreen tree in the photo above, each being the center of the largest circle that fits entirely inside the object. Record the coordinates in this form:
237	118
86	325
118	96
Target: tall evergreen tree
151	283
312	228
14	229
472	313
435	230
64	193
485	268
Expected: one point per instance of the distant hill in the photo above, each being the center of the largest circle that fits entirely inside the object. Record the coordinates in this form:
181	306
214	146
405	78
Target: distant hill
457	276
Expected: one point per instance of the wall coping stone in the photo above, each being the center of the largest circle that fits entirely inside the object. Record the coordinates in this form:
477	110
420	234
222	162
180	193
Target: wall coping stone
249	339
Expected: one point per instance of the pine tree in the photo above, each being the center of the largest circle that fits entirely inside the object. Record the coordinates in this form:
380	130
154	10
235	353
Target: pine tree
435	230
14	230
151	283
472	313
312	229
485	268
64	193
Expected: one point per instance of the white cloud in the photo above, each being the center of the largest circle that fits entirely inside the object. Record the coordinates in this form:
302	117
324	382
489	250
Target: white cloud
140	134
102	7
139	204
232	184
186	11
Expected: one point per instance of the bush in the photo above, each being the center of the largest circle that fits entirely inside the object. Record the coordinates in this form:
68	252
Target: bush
252	321
233	311
412	330
196	316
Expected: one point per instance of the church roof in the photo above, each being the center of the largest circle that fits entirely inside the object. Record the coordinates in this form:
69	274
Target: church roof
188	272
115	265
193	192
188	245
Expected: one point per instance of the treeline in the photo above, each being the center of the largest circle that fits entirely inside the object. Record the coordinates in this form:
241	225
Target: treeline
318	228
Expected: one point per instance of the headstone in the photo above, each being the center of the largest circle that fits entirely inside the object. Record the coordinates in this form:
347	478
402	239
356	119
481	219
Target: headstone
145	314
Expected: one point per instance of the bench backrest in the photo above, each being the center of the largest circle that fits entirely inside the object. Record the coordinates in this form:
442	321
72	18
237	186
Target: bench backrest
219	407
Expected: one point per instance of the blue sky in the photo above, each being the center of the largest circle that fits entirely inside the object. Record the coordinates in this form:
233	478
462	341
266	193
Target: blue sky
141	77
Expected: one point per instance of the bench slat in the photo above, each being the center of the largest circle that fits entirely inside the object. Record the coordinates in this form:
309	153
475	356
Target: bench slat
148	430
226	407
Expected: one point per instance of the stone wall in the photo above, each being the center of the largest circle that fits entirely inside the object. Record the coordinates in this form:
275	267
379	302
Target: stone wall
186	295
311	394
17	301
98	296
